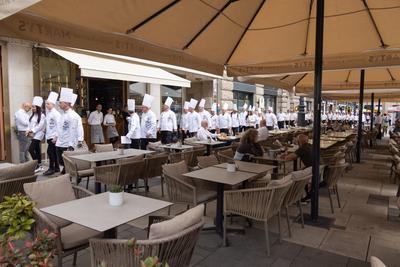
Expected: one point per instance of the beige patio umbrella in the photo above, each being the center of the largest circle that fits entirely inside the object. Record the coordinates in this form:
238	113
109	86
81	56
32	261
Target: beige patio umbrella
247	36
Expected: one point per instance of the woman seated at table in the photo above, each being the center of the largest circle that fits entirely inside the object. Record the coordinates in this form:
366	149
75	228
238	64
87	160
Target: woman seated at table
249	146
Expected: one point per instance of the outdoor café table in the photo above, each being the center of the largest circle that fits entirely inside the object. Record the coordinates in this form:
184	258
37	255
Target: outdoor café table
209	144
332	138
6	165
172	147
221	177
95	213
275	161
340	134
325	144
100	157
249	167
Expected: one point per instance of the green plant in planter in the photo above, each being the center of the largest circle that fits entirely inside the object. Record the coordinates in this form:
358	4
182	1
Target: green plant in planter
116	189
16	216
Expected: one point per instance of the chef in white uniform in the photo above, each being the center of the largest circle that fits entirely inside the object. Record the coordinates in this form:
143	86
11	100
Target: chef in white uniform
293	118
69	130
235	120
184	124
280	117
52	120
21	119
270	119
148	123
133	125
225	122
203	134
95	121
194	119
36	130
242	118
324	118
167	123
251	118
204	114
214	127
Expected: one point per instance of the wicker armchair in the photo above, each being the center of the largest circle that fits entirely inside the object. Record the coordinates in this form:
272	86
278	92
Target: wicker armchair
154	168
183	190
77	169
225	155
176	250
207	161
71	238
107	174
197	152
130	173
258	204
331	177
178	157
103	147
12	186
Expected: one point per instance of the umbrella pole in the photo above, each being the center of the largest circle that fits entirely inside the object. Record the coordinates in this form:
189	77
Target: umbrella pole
317	108
360	109
372	117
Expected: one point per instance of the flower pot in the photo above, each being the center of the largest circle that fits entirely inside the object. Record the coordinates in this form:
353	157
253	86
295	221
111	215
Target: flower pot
115	199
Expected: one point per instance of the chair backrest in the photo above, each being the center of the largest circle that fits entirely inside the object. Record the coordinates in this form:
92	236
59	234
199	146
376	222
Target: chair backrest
103	147
279	192
108	174
154	164
184	155
130	159
131	172
176	250
225	155
80	164
70	166
333	173
176	170
200	151
207	161
14	185
296	190
18	170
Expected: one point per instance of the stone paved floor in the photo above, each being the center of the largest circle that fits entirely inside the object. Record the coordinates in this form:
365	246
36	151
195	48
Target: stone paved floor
366	224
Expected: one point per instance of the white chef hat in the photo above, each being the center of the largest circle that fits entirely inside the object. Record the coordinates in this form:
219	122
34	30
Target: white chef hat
37	101
245	106
131	104
168	101
147	100
225	106
202	103
235	107
73	99
270	109
214	107
186	105
193	103
253	109
52	98
66	95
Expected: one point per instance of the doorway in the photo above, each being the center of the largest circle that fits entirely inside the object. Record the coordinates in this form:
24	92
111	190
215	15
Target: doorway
108	93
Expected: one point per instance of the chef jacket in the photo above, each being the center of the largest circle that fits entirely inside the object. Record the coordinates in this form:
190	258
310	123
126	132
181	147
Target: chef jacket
133	126
36	127
52	120
235	120
69	129
225	121
194	121
148	125
167	121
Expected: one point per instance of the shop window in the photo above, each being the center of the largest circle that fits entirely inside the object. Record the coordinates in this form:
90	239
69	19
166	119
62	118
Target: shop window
176	94
240	98
137	91
270	101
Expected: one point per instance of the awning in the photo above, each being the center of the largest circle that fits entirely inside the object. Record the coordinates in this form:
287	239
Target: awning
95	65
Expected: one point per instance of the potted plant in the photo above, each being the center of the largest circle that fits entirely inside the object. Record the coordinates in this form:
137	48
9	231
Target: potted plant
116	195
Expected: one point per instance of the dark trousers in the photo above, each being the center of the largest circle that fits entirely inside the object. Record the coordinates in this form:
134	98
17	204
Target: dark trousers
135	143
213	131
270	128
225	130
242	128
145	141
235	130
292	123
281	124
166	137
60	151
35	150
52	153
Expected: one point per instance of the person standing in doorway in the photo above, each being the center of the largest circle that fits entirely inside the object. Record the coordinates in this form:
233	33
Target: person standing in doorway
133	125
96	130
167	123
52	121
194	119
148	124
21	118
110	123
36	131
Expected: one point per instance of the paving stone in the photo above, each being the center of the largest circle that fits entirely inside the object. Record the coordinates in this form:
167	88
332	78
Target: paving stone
387	249
357	263
309	235
281	263
313	254
378	200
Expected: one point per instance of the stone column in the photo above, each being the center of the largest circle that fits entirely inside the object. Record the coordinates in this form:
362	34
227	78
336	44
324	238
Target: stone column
155	90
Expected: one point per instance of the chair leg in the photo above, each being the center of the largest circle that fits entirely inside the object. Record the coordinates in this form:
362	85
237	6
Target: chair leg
279	227
337	196
301	214
87	182
205	209
288	222
162	186
187	207
169	210
59	261
146	182
330	200
75	257
224	231
267	238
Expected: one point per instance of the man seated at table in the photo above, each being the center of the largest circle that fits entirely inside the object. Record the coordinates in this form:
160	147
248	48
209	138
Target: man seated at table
203	134
249	146
263	131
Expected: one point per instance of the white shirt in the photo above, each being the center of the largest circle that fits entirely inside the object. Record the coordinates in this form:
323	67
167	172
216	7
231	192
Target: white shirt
271	119
148	125
251	120
184	125
378	119
194	121
38	128
214	122
21	118
293	116
95	118
235	120
203	134
242	118
109	119
280	117
167	121
133	126
52	120
225	121
324	117
70	129
205	115
364	118
262	133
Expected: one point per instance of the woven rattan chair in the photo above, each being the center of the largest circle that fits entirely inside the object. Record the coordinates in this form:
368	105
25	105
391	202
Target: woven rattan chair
103	147
131	172
207	161
258	204
14	185
179	156
197	152
176	250
71	237
183	190
225	155
77	169
154	168
331	177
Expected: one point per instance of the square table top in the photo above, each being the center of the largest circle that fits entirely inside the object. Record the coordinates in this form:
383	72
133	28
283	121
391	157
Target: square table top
212	143
249	167
325	144
94	211
4	165
266	156
176	147
220	175
103	156
340	134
